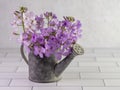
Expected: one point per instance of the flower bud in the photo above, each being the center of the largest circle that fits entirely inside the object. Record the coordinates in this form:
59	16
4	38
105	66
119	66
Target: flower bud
69	18
18	14
23	9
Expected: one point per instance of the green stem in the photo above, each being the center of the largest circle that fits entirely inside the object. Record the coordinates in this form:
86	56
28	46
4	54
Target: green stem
48	21
23	23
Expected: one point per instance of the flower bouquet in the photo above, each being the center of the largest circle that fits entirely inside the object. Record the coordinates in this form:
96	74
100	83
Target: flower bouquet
47	39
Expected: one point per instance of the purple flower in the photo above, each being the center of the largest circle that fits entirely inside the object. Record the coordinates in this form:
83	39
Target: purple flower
58	55
50	15
46	35
39	51
39	21
29	21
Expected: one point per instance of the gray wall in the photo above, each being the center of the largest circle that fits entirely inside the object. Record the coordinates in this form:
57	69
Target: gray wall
100	19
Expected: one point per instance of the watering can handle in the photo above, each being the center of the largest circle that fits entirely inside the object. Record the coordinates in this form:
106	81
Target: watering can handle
22	53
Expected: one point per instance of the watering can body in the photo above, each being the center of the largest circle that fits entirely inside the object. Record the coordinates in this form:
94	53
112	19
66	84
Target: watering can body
47	69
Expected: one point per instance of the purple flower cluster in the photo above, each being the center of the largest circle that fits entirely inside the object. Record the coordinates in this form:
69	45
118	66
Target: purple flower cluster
46	35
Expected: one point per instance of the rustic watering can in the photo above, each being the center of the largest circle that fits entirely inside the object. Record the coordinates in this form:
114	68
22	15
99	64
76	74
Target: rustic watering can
45	70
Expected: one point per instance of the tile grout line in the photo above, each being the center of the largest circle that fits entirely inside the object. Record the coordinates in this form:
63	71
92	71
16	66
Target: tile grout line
10	82
95	58
78	64
32	88
56	84
6	53
82	87
117	64
79	75
104	82
93	50
113	55
16	69
99	69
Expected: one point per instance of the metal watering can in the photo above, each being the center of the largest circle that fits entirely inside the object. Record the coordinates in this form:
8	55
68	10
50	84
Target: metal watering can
45	70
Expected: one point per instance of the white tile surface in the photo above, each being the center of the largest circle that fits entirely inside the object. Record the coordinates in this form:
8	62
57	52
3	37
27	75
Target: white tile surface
2	54
97	55
97	64
118	63
88	50
13	64
57	88
98	69
10	59
13	75
10	50
82	69
7	69
80	83
13	55
101	88
107	59
116	54
22	69
84	59
26	82
73	64
112	82
110	69
100	75
70	75
4	82
107	50
15	88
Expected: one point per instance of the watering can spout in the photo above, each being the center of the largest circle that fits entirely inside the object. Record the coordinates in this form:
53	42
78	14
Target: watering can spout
60	67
